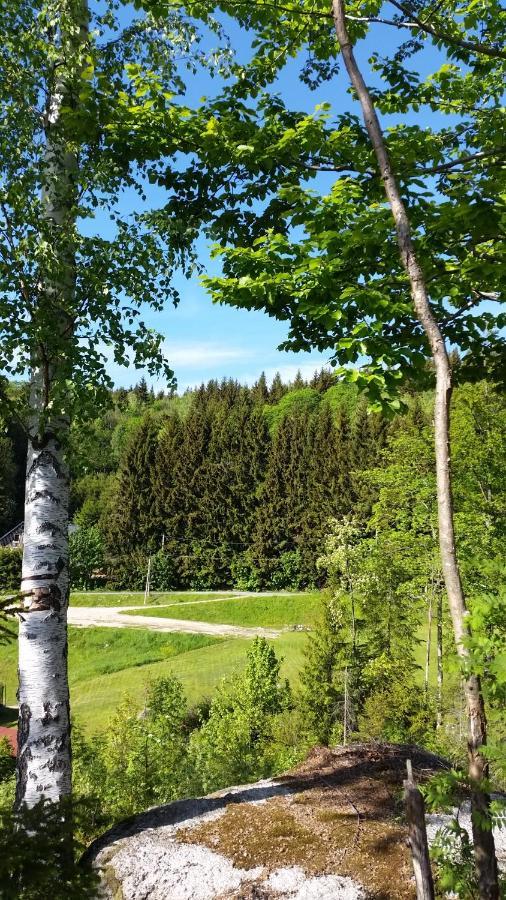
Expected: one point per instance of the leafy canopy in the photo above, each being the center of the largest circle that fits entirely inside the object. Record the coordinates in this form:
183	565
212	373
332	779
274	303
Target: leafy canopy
325	259
104	90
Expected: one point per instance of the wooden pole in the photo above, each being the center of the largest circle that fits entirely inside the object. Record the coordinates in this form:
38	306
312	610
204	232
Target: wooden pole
439	700
148	580
415	817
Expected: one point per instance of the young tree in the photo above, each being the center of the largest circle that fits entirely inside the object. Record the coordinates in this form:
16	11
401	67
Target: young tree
352	281
322	691
86	102
230	746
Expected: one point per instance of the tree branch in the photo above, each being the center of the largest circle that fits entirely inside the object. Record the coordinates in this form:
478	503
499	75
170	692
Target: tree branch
463	160
473	46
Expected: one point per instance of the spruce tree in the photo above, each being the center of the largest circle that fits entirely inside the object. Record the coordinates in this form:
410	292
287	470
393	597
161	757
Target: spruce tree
322	380
190	486
232	472
170	523
121	397
141	391
260	390
322	683
283	496
132	521
277	389
368	437
329	489
298	384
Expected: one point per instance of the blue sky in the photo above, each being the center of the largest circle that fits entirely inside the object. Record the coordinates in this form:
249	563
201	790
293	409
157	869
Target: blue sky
205	341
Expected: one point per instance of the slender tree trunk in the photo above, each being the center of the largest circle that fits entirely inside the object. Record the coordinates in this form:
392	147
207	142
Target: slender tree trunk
439	627
486	862
429	641
44	752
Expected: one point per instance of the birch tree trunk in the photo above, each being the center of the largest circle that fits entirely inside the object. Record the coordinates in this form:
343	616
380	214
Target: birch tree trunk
486	863
44	762
44	750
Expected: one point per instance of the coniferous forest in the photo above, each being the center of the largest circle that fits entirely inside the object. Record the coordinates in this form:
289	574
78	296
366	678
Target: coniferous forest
230	486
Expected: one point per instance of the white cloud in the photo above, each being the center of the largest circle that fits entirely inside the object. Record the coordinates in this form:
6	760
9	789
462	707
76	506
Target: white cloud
202	354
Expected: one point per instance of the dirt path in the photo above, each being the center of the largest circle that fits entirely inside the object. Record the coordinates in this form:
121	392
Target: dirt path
114	617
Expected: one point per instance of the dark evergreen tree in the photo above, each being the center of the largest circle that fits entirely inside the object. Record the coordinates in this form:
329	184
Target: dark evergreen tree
322	684
277	389
278	528
190	486
260	390
322	380
298	382
232	473
141	391
368	437
132	519
329	487
170	521
121	397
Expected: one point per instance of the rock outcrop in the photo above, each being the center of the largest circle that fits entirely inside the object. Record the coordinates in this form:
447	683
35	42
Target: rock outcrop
332	828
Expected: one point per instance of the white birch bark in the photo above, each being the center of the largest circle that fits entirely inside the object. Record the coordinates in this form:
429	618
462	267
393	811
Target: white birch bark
44	750
44	764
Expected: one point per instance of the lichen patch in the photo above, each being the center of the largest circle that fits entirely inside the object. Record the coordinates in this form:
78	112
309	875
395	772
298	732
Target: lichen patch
341	816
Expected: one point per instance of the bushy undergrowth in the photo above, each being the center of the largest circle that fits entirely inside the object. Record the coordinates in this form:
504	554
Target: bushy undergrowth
10	568
255	726
167	750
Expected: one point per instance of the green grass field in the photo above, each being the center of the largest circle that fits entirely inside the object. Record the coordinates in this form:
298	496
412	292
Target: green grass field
107	664
101	651
136	598
275	611
94	701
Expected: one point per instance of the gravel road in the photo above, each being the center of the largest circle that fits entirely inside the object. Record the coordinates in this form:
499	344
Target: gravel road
114	617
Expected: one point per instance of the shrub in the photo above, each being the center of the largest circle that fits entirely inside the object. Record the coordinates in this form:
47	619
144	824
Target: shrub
7	760
164	575
144	756
86	555
244	573
233	745
10	568
204	568
37	858
286	574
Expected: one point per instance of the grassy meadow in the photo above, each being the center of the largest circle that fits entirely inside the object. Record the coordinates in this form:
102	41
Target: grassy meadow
136	598
277	611
106	664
